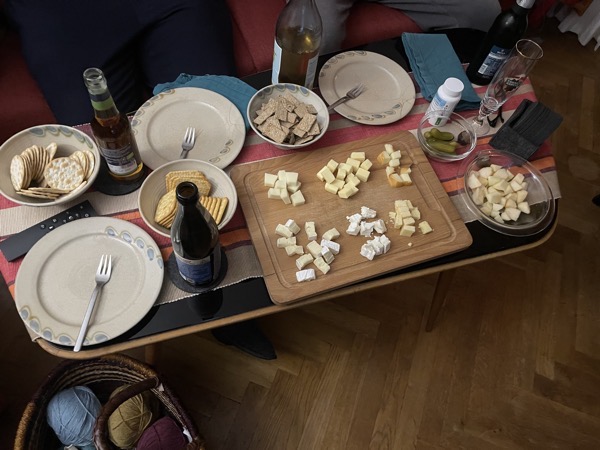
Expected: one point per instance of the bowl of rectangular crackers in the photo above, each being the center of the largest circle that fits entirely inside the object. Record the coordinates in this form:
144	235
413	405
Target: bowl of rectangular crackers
156	197
288	116
47	165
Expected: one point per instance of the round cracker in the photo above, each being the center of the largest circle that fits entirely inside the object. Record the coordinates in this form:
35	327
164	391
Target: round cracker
17	172
64	173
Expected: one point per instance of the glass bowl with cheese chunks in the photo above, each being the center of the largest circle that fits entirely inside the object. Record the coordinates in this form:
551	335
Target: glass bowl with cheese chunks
288	116
446	140
47	165
507	193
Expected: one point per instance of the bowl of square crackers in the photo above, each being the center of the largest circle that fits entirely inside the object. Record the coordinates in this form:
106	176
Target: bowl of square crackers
47	165
288	116
157	202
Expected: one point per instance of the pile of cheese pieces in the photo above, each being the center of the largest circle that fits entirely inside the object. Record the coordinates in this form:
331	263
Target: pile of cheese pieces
321	255
284	186
343	178
358	225
498	193
397	174
405	216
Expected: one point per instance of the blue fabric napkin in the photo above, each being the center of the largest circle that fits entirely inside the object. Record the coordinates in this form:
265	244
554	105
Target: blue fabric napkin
432	60
234	89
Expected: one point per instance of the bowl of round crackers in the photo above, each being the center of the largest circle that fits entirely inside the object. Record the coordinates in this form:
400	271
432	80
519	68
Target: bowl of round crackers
288	116
157	202
47	165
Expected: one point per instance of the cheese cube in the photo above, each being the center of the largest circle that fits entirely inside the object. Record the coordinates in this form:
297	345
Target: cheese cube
367	251
331	234
352	179
341	174
366	228
322	265
359	156
394	162
406	180
386	243
383	158
325	175
291	178
303	261
354	163
407	230
397	154
379	226
305	275
280	184
283	231
333	246
327	255
347	191
389	148
297	198
425	227
293	226
274	193
353	228
309	228
331	188
314	248
362	174
293	187
338	183
394	179
355	218
285	196
415	213
292	250
270	179
377	246
405	169
281	175
332	165
367	213
366	164
390	170
284	242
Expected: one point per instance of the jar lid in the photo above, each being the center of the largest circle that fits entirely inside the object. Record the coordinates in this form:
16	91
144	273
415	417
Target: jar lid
453	86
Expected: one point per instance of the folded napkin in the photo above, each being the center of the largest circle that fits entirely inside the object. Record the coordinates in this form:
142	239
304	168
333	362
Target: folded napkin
529	126
233	89
433	60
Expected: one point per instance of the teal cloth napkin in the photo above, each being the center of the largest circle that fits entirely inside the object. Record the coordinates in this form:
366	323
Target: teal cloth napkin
432	60
233	89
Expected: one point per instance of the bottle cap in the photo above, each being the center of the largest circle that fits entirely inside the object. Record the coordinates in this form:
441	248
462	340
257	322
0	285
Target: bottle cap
453	87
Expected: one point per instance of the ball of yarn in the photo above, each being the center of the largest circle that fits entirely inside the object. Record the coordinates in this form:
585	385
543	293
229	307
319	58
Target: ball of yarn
131	418
72	414
164	434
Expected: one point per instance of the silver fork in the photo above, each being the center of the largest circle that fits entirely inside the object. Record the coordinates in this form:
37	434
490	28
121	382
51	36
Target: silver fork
189	139
102	276
350	95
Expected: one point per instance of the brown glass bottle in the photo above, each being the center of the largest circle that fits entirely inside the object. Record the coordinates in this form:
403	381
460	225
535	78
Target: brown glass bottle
112	131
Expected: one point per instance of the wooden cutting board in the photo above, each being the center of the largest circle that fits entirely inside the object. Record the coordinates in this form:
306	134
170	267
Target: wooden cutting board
328	211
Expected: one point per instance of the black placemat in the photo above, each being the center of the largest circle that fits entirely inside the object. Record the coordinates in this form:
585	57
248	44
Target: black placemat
109	186
178	281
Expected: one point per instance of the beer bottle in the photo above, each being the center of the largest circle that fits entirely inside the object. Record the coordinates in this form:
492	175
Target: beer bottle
112	131
297	41
506	30
195	238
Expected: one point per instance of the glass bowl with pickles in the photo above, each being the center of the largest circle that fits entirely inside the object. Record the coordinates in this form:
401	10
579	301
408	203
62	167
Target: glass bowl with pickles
446	140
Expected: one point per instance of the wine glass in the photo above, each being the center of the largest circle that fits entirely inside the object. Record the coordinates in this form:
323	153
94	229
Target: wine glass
506	81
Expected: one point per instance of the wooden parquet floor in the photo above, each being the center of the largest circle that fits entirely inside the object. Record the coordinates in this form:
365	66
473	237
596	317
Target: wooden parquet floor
513	362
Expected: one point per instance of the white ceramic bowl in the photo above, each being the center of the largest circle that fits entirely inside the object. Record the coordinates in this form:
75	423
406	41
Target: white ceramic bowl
68	140
539	195
154	187
302	94
456	125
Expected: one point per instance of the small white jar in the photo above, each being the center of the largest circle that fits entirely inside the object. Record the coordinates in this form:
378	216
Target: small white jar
445	99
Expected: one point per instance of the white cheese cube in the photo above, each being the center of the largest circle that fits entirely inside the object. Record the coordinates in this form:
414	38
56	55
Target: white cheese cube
291	178
353	179
377	246
338	183
386	243
293	187
383	158
331	188
367	251
331	234
355	218
297	198
415	213
425	227
379	226
333	246
353	228
359	156
274	193
367	213
332	165
322	265
281	175
341	174
347	191
280	184
366	228
292	250
407	230
406	180
314	248
347	167
403	211
285	196
270	179
283	231
354	163
390	170
396	154
362	174
309	228
389	148
366	164
408	220
325	175
327	255
394	162
305	275
284	242
293	226
303	261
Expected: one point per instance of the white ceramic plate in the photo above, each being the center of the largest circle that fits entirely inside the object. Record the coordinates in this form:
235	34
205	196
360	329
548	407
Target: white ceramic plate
154	188
389	94
56	279
159	126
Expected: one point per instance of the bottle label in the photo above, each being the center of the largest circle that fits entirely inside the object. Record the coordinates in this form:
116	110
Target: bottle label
120	161
297	68
198	271
311	71
276	63
493	61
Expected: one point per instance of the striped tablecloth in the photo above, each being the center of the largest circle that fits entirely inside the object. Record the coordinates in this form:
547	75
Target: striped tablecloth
235	237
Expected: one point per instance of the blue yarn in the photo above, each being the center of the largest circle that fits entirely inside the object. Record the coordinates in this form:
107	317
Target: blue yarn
72	415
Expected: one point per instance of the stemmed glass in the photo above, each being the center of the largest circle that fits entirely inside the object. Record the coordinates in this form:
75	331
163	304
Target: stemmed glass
506	81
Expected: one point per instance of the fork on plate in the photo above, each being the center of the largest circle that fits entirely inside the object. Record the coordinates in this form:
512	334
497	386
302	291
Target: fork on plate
102	276
350	95
189	139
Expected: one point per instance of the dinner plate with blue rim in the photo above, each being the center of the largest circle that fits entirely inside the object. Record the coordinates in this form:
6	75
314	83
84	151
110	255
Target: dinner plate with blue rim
389	95
56	278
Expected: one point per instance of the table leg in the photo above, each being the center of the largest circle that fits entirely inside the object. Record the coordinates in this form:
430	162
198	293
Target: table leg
439	296
151	353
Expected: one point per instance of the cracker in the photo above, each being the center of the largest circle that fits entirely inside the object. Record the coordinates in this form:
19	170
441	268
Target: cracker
223	201
17	172
91	163
35	194
166	206
64	173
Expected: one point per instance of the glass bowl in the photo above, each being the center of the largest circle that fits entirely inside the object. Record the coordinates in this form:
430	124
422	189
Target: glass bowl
301	94
534	217
463	141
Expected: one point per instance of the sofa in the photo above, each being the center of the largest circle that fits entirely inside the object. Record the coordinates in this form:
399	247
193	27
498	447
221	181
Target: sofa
23	104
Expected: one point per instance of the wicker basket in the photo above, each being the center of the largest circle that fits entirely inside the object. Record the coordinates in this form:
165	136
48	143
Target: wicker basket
102	375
